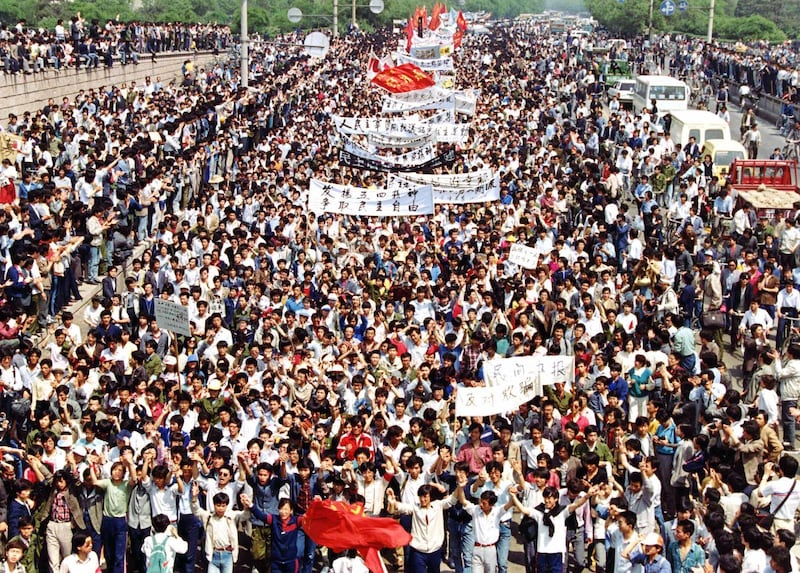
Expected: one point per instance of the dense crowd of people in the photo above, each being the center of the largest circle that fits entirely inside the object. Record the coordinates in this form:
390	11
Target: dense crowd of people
81	43
326	351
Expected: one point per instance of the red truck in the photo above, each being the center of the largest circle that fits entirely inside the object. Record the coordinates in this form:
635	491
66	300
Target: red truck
768	185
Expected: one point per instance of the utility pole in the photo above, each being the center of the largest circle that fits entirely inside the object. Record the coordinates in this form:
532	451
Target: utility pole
650	22
710	22
335	18
245	68
353	15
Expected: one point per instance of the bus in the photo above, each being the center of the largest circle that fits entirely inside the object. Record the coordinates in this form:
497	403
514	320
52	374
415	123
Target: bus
670	94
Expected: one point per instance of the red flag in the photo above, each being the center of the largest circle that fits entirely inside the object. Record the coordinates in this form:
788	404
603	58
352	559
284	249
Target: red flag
438	10
410	33
403	78
424	15
461	22
341	526
458	35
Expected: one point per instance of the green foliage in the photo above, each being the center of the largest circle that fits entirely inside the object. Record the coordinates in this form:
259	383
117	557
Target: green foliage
772	20
733	20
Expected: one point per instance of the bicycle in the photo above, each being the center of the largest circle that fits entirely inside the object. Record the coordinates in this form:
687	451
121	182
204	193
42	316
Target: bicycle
791	150
791	334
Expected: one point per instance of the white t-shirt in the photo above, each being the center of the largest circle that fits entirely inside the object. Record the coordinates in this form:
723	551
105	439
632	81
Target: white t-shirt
779	489
558	542
71	564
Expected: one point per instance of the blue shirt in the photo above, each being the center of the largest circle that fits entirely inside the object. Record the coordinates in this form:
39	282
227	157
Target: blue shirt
666	434
695	558
659	564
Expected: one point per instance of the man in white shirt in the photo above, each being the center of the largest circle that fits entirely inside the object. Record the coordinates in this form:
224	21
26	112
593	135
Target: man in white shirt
783	492
552	533
756	315
427	526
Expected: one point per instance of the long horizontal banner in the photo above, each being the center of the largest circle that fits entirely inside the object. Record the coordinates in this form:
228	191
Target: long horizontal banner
459	101
511	382
399	139
485	192
428	65
413	158
324	197
435	126
351	160
456	180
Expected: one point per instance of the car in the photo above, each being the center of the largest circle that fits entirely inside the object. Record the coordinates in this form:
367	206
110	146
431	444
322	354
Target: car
623	89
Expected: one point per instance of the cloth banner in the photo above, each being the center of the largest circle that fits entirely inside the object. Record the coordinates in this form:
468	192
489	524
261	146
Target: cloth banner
324	197
410	159
480	192
439	126
393	105
403	78
461	101
426	65
425	52
341	526
351	160
523	256
399	139
457	180
511	382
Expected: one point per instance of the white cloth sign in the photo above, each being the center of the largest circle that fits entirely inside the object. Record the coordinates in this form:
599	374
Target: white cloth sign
434	126
412	158
457	180
523	255
511	382
428	65
172	316
480	192
399	139
324	197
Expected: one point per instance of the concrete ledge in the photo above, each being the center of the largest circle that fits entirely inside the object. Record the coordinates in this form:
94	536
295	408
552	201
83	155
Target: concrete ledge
21	92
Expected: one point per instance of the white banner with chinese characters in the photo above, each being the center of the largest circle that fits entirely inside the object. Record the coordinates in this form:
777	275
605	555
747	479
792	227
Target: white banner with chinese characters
480	191
409	159
440	126
462	101
429	65
399	139
456	180
511	382
324	197
523	256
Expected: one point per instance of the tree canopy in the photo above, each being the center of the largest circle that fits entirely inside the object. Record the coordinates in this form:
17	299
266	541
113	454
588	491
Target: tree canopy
772	20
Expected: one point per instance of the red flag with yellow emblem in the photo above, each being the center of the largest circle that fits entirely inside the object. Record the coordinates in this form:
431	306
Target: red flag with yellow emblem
403	78
341	526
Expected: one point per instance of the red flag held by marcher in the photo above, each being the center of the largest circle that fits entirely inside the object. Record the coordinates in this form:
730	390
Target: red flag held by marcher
403	78
341	526
410	33
461	22
438	10
458	35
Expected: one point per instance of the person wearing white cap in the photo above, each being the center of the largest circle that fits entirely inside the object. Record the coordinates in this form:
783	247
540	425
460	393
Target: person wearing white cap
652	559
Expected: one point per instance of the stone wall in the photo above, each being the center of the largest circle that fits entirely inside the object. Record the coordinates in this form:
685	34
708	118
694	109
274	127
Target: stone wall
21	92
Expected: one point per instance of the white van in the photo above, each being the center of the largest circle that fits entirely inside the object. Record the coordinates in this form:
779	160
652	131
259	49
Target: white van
670	94
700	124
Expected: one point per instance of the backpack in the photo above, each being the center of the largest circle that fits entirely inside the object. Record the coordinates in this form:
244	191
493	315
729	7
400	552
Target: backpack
158	558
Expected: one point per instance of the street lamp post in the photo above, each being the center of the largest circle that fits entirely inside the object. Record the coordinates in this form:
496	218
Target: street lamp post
245	72
710	22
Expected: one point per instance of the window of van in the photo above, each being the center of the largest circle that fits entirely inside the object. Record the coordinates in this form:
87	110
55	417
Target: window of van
714	134
725	158
694	133
667	92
